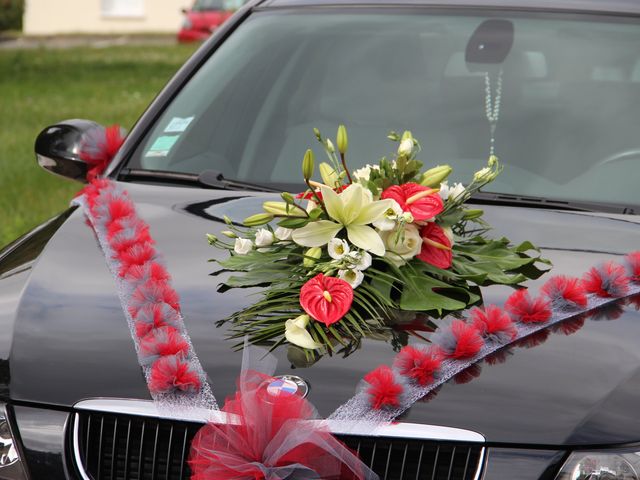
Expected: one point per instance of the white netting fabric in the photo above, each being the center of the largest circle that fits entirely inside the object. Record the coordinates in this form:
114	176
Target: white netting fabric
170	402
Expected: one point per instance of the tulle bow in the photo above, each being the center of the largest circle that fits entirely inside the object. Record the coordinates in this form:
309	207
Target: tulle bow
270	437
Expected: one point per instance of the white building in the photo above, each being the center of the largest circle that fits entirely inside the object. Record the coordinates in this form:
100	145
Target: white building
50	17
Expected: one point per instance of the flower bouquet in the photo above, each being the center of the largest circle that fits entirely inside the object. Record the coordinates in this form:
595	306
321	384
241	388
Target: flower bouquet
356	253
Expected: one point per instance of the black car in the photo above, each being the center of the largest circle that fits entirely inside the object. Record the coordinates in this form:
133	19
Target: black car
231	128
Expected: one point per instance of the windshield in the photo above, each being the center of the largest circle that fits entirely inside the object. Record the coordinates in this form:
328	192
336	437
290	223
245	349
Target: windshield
567	124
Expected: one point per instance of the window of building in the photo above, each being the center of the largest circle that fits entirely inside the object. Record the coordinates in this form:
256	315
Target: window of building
123	8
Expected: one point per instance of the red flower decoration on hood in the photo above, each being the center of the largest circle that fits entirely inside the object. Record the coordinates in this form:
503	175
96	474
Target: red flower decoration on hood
326	299
422	202
436	246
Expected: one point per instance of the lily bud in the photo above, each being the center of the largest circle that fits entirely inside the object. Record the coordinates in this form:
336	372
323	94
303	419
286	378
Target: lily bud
229	233
227	220
307	165
433	177
282	209
311	255
287	197
211	238
328	174
472	214
258	219
342	139
493	160
316	132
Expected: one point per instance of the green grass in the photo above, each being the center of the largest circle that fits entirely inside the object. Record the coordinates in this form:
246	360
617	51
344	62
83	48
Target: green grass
41	87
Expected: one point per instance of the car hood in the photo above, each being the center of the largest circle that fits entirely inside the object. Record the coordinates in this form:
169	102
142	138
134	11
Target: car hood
71	340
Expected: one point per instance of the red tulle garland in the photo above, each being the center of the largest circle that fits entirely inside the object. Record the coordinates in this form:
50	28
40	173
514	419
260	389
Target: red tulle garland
565	292
418	364
608	280
384	390
492	321
523	308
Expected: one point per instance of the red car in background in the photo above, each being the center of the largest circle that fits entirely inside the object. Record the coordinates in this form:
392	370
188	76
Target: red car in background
204	17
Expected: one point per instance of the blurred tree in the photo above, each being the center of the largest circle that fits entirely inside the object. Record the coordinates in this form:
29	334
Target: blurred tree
11	12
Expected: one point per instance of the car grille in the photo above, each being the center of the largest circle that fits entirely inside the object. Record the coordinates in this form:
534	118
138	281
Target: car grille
129	447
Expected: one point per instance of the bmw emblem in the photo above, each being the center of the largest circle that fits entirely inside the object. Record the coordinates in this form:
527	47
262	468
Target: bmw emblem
288	385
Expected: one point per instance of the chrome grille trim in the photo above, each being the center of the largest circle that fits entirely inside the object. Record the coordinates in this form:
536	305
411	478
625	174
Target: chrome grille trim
147	409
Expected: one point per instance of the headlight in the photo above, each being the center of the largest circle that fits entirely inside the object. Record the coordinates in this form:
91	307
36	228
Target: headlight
615	465
186	24
11	467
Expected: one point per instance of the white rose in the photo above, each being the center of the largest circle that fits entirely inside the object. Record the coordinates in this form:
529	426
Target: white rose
364	174
243	246
264	237
389	217
406	147
338	248
283	234
453	192
352	277
403	247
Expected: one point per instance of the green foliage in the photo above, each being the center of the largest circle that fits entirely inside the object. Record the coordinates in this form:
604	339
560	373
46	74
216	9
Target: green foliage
11	12
41	87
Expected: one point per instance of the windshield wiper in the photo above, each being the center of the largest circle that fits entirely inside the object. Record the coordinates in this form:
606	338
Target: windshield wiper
550	203
206	179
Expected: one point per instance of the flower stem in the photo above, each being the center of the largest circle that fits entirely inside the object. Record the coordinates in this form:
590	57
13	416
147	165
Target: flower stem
344	166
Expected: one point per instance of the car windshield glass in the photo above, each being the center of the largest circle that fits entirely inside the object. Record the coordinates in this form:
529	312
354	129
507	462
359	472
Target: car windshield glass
569	114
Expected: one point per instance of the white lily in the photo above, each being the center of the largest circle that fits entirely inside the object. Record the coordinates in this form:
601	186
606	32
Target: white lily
352	209
297	334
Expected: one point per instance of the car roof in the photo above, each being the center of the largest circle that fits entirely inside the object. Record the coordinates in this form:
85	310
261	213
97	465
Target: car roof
616	7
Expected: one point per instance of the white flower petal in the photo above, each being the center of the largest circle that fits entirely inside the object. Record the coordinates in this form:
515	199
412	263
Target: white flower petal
316	234
283	234
297	334
332	203
242	246
352	277
264	237
338	248
366	238
373	212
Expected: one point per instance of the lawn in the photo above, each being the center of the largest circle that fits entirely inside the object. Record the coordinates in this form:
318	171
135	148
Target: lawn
41	87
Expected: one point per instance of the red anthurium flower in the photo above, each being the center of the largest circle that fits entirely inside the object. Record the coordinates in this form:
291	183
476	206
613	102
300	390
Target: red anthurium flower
436	246
326	299
422	202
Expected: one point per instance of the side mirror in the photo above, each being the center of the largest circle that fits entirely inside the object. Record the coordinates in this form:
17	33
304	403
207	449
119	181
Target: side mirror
184	10
57	148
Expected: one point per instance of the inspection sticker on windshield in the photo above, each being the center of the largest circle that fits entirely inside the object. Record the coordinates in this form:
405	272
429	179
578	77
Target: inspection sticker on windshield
162	146
178	125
